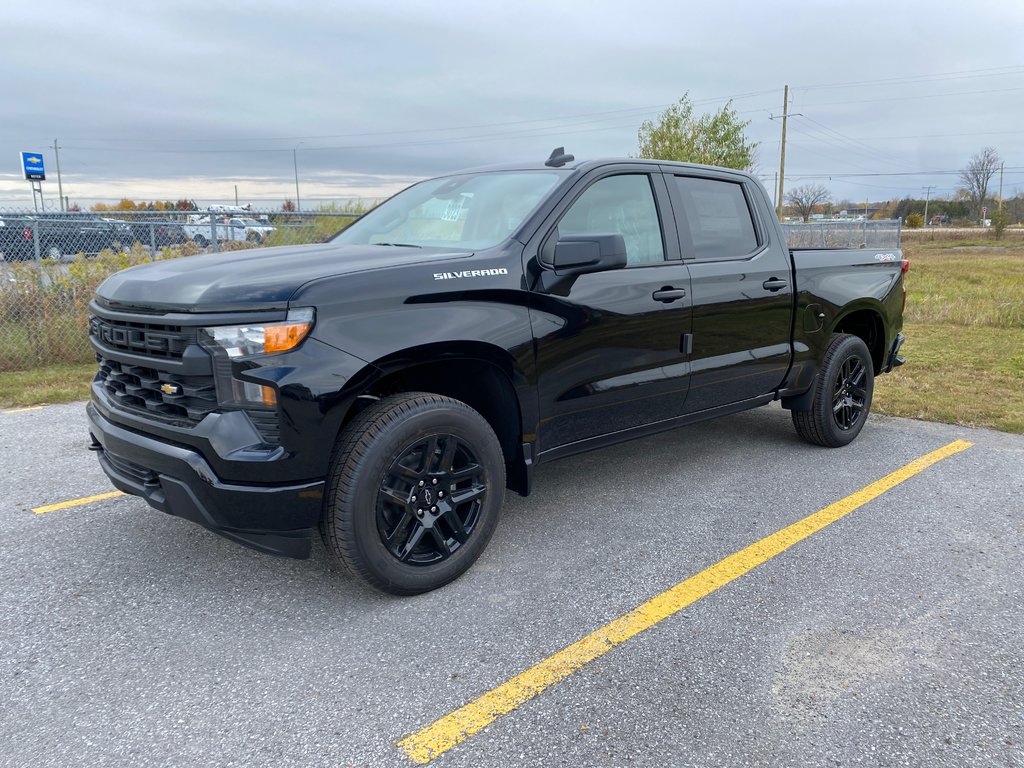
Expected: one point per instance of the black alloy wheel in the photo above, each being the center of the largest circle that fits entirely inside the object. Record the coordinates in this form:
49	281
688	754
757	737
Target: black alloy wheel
842	396
850	393
430	500
414	491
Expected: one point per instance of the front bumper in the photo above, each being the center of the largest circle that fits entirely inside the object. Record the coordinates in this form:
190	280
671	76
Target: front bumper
278	519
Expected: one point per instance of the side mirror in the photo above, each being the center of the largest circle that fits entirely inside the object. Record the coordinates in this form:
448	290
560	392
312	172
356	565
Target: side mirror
581	254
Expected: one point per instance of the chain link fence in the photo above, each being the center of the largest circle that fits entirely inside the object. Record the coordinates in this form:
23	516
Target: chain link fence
844	233
52	264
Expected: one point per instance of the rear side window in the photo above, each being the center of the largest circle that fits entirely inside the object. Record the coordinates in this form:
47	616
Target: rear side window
718	218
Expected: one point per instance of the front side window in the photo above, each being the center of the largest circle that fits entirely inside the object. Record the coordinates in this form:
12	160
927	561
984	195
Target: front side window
474	210
718	218
619	205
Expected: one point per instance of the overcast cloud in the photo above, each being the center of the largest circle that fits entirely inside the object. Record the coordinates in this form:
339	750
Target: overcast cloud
189	99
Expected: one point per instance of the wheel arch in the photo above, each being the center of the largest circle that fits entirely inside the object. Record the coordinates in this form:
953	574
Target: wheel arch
867	323
483	376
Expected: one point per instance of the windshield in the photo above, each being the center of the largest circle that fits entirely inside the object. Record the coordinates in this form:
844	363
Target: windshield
470	211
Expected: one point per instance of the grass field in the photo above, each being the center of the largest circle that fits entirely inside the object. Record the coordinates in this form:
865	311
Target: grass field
964	350
965	336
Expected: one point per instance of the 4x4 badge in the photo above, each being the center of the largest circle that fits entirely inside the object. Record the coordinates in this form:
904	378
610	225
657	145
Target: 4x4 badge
170	389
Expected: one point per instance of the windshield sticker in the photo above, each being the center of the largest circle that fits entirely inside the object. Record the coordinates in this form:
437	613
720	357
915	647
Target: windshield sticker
454	209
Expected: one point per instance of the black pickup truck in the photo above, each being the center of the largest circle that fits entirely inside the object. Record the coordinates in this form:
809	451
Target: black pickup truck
59	235
388	386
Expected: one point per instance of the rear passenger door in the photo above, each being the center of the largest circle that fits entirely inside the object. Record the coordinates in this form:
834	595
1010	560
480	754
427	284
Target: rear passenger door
741	287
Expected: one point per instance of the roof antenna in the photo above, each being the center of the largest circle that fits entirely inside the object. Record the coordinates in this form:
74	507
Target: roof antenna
558	158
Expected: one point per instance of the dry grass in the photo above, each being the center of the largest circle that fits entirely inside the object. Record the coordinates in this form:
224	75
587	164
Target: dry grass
53	384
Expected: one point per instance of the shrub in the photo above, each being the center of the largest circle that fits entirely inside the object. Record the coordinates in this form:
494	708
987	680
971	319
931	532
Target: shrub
1000	219
44	307
914	221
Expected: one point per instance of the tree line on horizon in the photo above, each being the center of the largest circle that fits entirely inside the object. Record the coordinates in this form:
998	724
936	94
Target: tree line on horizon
720	138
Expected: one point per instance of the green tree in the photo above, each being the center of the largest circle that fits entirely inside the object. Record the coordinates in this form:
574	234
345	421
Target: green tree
711	139
915	221
1000	219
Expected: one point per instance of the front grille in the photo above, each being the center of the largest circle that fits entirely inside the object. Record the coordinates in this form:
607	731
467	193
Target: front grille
149	339
149	390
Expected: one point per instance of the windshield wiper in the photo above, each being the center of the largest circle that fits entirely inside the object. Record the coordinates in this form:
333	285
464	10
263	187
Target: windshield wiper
401	245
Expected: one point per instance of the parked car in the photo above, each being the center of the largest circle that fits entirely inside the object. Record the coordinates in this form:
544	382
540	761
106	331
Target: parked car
386	387
60	235
158	232
201	231
255	230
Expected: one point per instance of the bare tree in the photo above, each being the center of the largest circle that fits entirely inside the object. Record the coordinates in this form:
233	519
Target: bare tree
976	176
806	198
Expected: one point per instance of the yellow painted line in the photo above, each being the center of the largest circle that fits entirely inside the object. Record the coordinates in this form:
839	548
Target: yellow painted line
76	502
22	410
440	736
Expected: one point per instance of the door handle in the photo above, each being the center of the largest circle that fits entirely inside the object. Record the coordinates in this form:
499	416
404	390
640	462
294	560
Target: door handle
774	284
668	294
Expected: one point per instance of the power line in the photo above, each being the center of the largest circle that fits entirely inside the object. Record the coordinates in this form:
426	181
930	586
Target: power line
965	74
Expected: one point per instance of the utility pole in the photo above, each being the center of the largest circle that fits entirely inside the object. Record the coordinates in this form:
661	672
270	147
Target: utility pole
1000	182
295	165
782	158
60	186
927	195
236	194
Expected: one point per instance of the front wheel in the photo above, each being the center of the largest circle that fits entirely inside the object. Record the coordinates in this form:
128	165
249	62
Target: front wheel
414	492
842	398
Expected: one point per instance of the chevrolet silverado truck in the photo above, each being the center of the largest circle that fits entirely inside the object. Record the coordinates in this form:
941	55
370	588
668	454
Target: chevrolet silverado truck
386	387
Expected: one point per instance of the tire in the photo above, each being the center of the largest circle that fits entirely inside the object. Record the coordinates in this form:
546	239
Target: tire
389	514
201	241
54	253
842	397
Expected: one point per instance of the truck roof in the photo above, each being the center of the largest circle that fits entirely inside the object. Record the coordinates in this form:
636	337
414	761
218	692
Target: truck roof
587	165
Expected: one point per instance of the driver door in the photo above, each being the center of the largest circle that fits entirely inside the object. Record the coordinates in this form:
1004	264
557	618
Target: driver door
612	346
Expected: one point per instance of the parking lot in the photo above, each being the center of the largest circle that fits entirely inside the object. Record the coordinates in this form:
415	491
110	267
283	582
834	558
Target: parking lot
890	636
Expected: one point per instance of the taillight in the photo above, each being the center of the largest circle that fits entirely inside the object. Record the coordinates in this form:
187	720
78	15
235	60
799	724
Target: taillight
27	234
905	267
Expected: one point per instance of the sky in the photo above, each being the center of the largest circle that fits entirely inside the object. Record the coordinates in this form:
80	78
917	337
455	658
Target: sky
359	99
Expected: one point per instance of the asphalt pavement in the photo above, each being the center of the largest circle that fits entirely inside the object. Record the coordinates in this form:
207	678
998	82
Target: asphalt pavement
893	636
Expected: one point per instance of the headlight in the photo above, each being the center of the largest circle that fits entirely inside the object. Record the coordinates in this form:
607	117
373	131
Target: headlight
266	339
230	342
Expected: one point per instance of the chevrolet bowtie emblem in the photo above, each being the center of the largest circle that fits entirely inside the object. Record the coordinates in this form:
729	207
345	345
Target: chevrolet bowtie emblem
170	389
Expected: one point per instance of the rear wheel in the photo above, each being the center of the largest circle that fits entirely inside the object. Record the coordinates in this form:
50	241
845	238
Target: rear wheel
842	398
414	492
201	241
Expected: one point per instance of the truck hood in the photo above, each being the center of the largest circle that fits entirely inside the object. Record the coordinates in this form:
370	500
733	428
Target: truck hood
249	280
